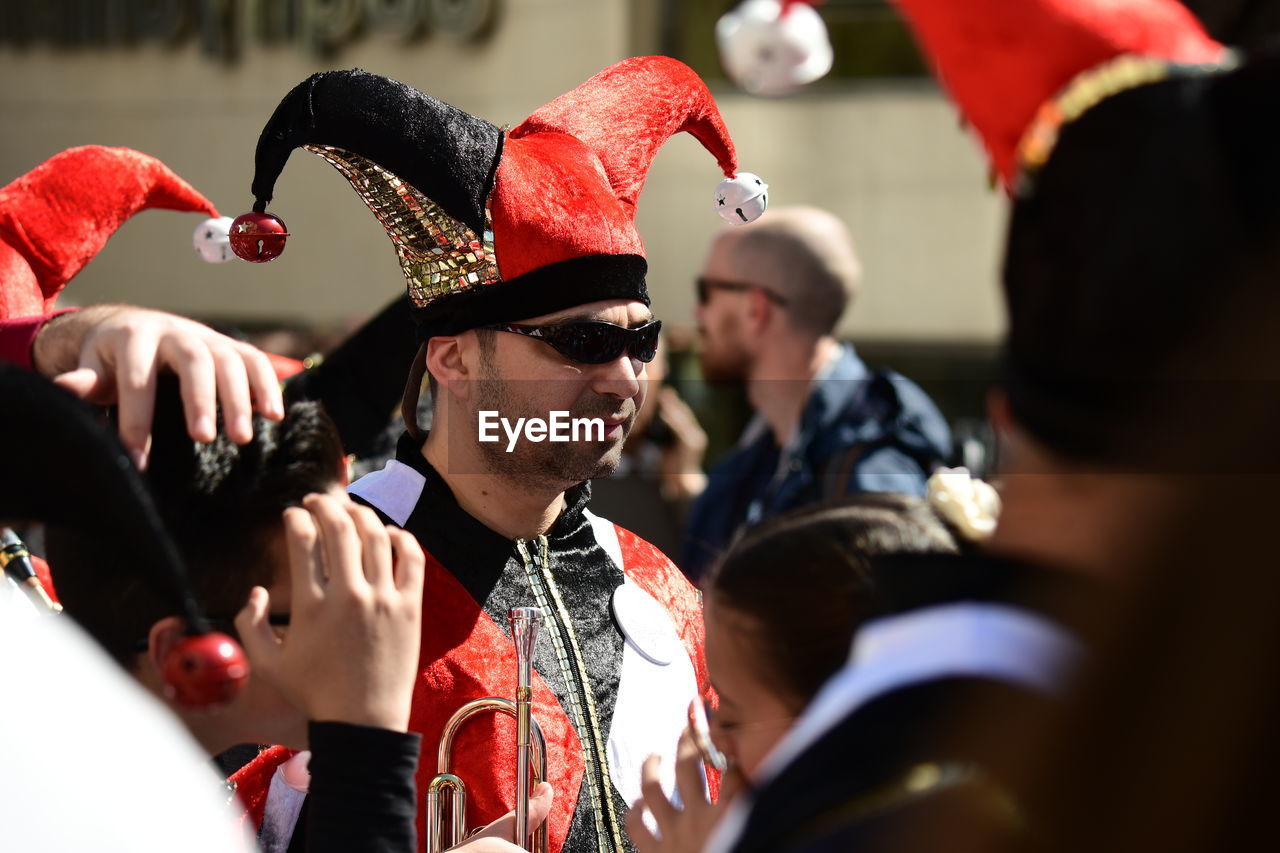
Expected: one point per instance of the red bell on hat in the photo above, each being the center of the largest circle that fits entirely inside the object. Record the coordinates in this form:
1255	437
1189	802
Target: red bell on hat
258	236
205	670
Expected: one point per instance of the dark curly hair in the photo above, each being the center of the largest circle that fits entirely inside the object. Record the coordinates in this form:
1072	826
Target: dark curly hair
221	503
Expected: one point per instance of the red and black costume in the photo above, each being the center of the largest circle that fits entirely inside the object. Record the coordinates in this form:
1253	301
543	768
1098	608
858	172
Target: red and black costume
605	698
495	226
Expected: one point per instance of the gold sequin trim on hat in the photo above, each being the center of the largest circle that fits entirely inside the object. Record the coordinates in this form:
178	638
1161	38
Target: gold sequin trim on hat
438	254
1087	90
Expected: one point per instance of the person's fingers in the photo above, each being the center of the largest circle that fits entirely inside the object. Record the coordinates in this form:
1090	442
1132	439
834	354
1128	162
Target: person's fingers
306	559
264	387
259	641
104	392
540	801
188	357
638	831
338	540
133	360
504	828
233	393
84	382
677	414
375	545
655	799
691	780
409	561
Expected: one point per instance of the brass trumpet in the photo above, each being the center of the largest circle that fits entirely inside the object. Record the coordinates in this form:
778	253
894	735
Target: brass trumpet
531	750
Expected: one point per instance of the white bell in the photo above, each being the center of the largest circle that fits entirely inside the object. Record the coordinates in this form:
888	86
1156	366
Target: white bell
211	240
742	199
767	52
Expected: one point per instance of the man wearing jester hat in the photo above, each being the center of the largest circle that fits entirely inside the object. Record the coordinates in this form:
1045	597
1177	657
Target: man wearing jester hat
527	277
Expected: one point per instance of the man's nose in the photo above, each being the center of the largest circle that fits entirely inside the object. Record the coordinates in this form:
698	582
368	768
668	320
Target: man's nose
620	378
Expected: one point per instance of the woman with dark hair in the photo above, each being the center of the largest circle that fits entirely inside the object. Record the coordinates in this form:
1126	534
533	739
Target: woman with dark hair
782	606
780	611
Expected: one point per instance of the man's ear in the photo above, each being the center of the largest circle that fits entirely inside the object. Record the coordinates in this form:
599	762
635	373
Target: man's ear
446	362
162	637
759	310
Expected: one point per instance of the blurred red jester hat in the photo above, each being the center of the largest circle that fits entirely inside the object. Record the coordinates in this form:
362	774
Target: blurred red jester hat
1019	71
57	217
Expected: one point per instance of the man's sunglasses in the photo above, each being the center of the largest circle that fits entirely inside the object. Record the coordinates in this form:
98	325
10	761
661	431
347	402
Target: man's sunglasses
706	285
593	341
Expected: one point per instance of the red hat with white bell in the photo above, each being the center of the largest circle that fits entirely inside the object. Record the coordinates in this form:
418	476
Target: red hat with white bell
57	217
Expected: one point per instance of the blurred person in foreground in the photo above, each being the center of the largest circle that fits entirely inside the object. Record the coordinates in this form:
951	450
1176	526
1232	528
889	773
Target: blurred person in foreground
137	601
78	705
1127	138
269	539
770	296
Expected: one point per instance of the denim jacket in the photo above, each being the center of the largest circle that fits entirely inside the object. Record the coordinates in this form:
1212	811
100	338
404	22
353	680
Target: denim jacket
860	431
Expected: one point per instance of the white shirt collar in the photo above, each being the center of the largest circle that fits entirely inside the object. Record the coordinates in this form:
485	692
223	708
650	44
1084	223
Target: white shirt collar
991	641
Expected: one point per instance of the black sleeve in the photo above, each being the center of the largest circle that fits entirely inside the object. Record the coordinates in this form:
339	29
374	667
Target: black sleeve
363	798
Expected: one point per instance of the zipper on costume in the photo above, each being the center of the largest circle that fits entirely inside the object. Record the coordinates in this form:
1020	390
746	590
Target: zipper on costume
597	748
537	563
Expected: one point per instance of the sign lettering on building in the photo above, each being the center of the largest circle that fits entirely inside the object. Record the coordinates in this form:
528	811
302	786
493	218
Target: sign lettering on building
225	29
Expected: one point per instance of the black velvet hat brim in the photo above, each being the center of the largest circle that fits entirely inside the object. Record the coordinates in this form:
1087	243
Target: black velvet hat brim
546	290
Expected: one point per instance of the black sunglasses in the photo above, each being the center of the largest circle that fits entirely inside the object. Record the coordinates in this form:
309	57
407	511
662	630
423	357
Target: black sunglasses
593	341
706	285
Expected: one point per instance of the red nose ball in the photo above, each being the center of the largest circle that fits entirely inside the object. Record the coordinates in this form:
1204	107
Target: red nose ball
258	237
205	671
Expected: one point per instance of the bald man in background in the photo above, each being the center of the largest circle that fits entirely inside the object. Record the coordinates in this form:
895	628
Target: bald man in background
769	299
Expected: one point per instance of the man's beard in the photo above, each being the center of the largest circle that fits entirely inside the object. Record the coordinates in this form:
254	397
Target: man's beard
723	362
554	463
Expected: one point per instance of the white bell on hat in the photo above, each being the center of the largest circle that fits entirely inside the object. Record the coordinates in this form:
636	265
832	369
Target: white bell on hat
772	47
742	199
212	241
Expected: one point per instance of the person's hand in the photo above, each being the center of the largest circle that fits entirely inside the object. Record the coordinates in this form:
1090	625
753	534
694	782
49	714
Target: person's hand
112	353
681	466
351	652
680	830
499	836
